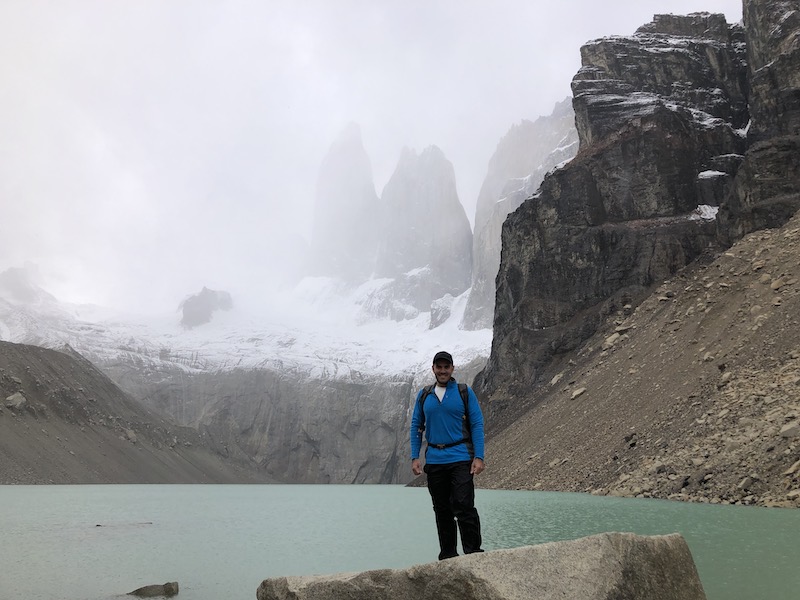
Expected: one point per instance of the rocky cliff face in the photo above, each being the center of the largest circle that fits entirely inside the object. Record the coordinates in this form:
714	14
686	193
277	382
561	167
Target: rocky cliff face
345	239
692	395
295	428
654	111
523	157
765	188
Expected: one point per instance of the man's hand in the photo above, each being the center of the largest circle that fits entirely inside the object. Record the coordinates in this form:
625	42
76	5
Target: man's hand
477	466
416	467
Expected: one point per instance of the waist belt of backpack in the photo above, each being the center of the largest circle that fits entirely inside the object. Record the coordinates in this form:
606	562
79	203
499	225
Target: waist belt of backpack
450	445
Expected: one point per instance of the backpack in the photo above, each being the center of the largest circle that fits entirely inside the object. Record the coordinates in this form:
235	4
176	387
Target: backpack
464	393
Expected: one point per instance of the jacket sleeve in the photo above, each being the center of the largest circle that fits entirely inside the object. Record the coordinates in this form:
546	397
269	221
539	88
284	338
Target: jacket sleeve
476	425
416	434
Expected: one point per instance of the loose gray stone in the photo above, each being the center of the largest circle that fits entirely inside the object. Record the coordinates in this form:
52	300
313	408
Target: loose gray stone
578	392
622	566
16	401
791	430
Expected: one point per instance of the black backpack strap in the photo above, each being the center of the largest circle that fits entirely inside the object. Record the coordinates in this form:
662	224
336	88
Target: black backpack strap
463	389
428	389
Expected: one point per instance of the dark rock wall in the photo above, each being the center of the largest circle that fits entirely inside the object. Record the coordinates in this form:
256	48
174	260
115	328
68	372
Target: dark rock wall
653	111
696	62
766	191
773	56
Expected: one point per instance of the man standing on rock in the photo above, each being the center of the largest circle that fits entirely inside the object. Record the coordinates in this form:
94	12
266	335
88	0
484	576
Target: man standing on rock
451	418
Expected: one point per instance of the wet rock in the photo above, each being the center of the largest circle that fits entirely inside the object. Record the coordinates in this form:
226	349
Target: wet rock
157	590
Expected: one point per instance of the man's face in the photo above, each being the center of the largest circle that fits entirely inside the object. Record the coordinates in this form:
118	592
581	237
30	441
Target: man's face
443	371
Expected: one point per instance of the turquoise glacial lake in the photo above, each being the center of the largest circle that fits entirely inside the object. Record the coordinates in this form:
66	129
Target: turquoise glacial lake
220	541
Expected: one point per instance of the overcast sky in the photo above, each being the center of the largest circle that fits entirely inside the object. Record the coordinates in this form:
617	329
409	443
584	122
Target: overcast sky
150	147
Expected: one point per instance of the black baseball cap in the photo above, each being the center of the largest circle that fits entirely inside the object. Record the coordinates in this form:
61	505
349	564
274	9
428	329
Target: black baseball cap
442	356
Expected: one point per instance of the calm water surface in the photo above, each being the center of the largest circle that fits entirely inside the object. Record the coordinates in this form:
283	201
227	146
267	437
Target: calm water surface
97	542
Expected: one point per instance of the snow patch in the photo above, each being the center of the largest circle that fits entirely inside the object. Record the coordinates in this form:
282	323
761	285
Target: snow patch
710	174
313	331
704	212
743	131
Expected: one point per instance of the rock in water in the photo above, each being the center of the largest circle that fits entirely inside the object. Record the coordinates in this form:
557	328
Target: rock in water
622	566
155	591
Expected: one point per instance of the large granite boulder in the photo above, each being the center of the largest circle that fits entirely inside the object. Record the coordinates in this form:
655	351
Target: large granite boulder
425	233
766	191
609	566
523	157
345	237
653	111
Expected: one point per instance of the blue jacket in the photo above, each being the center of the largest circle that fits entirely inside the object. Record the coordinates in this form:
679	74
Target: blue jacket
444	424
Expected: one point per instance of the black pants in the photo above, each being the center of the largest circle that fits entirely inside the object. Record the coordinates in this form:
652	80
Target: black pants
453	495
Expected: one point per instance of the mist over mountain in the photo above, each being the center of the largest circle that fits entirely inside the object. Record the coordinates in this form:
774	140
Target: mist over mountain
523	157
414	243
318	387
424	223
345	233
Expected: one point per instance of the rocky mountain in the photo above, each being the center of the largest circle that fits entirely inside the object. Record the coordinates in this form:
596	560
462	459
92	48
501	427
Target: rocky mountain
523	157
63	421
691	394
641	345
653	111
426	239
411	247
345	239
315	402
